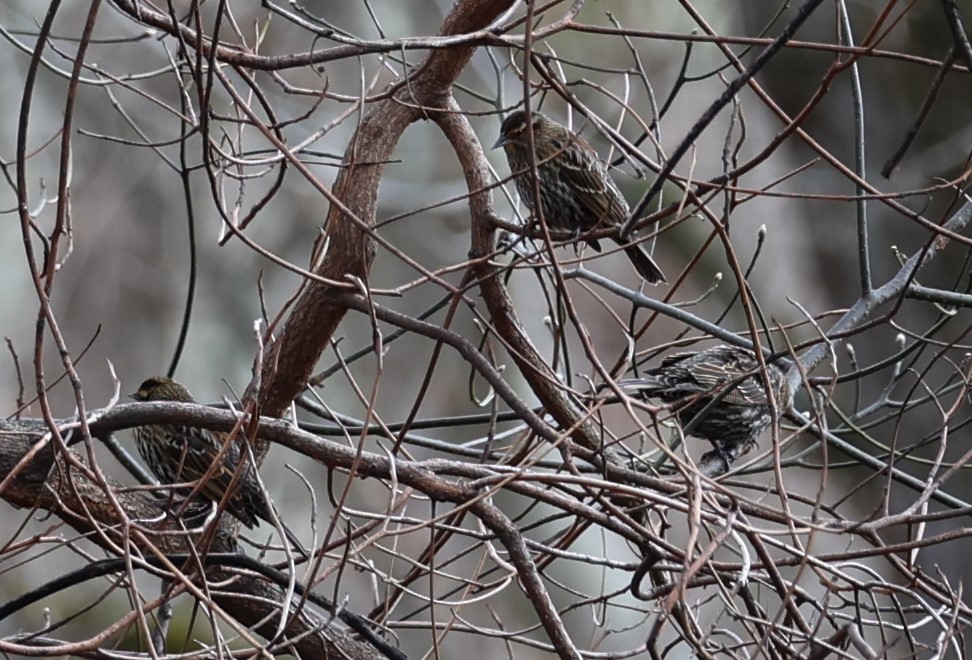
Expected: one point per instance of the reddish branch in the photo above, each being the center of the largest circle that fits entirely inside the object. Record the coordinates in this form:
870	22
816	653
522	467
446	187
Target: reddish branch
316	316
37	477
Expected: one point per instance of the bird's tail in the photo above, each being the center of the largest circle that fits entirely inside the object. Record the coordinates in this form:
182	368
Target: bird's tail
648	385
292	539
295	542
643	263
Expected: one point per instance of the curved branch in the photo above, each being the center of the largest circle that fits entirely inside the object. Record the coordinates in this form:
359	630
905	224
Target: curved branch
290	360
44	482
109	566
542	379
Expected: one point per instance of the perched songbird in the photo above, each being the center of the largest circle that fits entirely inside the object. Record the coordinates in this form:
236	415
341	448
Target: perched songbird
576	192
179	454
728	378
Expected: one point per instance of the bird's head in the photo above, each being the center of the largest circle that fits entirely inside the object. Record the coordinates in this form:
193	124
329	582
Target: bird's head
513	130
160	388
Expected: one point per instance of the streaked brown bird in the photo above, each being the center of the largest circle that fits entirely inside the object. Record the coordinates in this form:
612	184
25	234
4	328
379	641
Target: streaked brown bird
717	394
576	192
180	454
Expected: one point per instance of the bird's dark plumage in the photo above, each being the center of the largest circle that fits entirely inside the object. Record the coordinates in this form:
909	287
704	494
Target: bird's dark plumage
577	193
692	381
180	454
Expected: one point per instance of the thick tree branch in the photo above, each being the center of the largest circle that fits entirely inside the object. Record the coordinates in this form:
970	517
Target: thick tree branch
48	483
291	359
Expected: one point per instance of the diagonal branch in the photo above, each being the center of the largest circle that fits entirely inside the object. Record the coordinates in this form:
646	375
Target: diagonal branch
290	360
49	484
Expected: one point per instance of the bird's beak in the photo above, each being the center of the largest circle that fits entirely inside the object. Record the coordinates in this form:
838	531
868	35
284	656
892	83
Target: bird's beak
132	396
501	142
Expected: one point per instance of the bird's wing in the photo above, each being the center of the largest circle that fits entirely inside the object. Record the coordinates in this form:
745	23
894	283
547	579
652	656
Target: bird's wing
714	376
673	359
589	178
710	374
203	447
